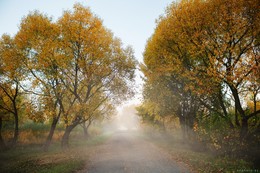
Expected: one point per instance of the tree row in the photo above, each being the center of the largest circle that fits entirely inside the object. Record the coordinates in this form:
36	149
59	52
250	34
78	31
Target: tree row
201	66
70	71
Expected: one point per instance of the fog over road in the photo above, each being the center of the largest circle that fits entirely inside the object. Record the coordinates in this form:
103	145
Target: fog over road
128	152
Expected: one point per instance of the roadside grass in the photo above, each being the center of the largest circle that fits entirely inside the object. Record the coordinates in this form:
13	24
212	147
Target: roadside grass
198	160
30	158
32	133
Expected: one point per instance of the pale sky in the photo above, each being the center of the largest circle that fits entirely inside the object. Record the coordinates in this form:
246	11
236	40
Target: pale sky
133	21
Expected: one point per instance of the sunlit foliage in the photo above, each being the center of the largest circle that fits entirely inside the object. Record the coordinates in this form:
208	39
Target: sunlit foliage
206	54
74	70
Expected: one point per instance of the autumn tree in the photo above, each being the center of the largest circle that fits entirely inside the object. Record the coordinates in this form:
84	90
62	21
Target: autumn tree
12	74
38	37
207	55
223	42
97	113
76	66
97	64
168	64
158	103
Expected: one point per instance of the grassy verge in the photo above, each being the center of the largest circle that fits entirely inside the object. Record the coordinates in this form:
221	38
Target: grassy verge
31	158
199	161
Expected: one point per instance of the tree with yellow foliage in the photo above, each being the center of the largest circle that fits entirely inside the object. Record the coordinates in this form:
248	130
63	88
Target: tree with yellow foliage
38	38
97	68
210	50
12	73
76	65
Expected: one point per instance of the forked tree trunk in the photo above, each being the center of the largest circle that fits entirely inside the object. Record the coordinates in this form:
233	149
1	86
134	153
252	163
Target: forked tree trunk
65	137
85	128
238	107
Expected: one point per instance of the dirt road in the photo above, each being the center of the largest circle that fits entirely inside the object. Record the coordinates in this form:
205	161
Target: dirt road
129	153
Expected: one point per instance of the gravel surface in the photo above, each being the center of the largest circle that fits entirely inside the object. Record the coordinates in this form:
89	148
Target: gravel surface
129	153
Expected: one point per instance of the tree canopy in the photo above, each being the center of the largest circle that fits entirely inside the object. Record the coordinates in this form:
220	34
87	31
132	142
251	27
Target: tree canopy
206	53
74	68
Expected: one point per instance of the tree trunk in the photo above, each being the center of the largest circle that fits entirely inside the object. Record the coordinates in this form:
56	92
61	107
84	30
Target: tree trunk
2	143
183	127
16	129
164	126
224	109
65	137
238	107
49	138
190	124
16	117
85	128
244	129
236	118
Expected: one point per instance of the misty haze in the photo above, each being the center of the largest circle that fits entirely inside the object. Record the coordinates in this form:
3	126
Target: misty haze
98	86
